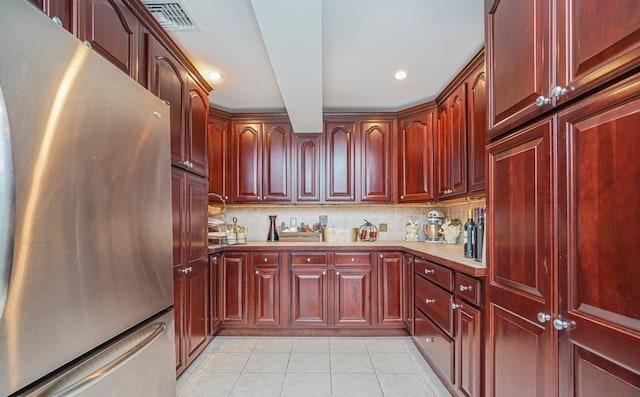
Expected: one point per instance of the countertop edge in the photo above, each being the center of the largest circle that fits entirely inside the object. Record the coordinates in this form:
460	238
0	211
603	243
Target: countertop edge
441	254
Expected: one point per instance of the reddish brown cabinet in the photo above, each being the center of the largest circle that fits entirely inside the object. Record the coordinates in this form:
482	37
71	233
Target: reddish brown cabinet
468	349
266	289
189	201
218	132
60	9
563	49
598	187
391	289
261	168
195	137
451	144
308	166
352	289
376	161
416	160
235	293
407	296
340	161
215	286
191	295
309	300
112	31
476	130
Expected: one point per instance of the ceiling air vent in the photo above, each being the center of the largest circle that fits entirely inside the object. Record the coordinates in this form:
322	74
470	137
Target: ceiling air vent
170	14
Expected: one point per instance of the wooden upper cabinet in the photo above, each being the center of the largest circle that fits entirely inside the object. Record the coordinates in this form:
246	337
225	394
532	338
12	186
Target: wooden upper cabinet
168	81
246	155
518	48
416	157
597	41
340	161
276	162
308	166
196	129
442	144
61	9
112	30
376	161
521	353
261	154
476	130
599	186
189	203
218	131
535	69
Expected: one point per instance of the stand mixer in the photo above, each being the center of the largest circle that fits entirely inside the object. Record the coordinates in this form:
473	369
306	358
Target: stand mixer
432	226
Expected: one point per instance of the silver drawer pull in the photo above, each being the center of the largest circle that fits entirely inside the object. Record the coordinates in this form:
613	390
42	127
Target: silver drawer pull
429	271
428	301
430	339
463	288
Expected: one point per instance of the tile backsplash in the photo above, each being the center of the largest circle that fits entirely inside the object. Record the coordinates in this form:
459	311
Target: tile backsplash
256	218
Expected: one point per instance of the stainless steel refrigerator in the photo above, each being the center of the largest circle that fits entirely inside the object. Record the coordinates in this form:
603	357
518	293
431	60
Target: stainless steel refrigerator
86	290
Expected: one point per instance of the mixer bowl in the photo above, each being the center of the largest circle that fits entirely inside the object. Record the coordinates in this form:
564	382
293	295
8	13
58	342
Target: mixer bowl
431	231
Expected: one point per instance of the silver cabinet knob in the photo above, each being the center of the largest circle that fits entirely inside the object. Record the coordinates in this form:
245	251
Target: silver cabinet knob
429	271
463	288
455	306
542	100
543	317
308	260
257	272
324	272
57	21
353	259
430	339
87	43
264	197
558	91
401	197
562	324
337	273
429	301
381	256
265	259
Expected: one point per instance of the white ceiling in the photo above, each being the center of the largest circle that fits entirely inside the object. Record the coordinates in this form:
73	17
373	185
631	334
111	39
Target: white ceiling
349	68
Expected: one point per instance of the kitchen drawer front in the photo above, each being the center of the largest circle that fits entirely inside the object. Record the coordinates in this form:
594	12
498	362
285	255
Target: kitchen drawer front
435	303
438	346
308	258
436	273
266	259
468	289
353	258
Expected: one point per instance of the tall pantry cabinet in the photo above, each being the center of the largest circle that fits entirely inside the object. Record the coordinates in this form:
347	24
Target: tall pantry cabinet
563	310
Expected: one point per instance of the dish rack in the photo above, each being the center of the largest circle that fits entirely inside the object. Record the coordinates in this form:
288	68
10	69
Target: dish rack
216	219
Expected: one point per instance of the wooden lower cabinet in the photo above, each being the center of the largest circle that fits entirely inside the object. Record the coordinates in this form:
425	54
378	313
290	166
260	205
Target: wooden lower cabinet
309	296
468	357
407	296
265	289
390	289
436	346
191	292
234	295
215	286
352	296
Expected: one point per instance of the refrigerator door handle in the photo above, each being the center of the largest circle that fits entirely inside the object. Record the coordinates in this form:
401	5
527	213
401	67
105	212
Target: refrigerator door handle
84	375
7	205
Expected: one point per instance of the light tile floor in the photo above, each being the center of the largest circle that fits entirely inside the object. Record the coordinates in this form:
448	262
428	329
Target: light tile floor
309	367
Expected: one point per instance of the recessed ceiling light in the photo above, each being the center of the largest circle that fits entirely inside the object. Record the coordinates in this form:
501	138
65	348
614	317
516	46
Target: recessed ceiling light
214	76
400	75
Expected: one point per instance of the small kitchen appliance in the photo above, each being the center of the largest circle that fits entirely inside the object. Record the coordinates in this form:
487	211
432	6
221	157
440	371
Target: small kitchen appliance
432	226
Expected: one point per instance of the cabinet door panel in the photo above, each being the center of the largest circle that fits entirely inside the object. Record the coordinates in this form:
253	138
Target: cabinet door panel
468	348
112	30
458	141
340	157
197	307
218	152
308	167
443	151
196	212
439	348
179	297
375	146
477	130
168	81
598	40
234	289
276	164
214	293
390	289
246	156
352	296
178	205
196	129
416	158
599	182
520	276
266	291
519	47
309	296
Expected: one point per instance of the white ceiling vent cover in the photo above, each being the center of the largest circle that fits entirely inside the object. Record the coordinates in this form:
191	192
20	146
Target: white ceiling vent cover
171	14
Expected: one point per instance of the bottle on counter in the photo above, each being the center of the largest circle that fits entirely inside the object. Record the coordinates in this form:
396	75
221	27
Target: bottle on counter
469	232
479	235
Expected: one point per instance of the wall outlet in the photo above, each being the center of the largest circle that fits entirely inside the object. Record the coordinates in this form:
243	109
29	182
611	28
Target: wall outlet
324	219
293	222
382	227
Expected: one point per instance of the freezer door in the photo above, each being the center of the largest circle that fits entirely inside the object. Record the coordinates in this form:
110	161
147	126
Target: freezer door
92	241
138	364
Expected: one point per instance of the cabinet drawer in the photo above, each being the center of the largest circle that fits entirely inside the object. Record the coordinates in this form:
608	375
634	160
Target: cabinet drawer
438	346
308	258
435	303
436	273
352	258
468	289
266	259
